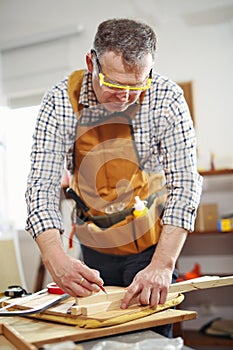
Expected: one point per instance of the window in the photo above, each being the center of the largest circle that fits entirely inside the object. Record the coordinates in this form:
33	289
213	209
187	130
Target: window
17	127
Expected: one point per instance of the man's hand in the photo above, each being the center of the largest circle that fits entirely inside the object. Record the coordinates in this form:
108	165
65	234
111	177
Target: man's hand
71	275
152	283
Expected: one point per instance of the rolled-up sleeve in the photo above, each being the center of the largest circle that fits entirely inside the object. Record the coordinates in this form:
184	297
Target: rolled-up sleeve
178	149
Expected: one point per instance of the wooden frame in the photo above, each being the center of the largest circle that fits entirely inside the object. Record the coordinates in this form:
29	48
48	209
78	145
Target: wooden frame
10	338
187	87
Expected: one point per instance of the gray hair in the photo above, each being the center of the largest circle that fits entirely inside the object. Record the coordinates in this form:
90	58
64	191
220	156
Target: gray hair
130	38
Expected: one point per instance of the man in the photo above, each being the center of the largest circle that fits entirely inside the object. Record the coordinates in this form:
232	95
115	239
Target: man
127	124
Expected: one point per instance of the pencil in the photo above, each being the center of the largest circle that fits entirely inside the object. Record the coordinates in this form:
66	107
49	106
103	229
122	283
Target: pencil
103	289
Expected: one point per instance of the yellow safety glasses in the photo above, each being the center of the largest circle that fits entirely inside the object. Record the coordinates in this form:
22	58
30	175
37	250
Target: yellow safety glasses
133	88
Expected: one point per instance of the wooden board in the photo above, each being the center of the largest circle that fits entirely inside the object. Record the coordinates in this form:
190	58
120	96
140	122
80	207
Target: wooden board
10	339
101	310
203	282
98	310
40	332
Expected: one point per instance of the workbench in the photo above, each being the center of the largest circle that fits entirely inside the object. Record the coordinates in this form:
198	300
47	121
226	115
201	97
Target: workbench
39	333
56	324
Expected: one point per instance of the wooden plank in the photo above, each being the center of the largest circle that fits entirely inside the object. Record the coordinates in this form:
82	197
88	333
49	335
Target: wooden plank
117	293
12	339
107	306
40	333
101	307
216	172
93	309
113	293
204	282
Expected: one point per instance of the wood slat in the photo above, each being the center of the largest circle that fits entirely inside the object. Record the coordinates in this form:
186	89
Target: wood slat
13	339
204	282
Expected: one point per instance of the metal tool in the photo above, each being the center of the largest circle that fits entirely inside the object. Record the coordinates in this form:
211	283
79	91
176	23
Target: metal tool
45	306
29	297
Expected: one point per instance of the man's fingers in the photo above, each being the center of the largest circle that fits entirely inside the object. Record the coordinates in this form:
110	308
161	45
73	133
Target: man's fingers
93	287
145	296
131	293
91	276
79	286
163	296
155	297
78	290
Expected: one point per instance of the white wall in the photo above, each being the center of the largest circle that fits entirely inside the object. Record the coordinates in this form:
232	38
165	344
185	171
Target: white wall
17	127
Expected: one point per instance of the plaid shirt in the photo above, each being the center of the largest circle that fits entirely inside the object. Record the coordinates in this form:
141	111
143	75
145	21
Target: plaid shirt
164	138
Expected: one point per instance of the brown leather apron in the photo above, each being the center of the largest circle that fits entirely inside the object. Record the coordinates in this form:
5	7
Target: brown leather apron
108	176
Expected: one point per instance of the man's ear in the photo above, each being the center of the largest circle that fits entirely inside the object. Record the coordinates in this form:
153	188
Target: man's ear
89	62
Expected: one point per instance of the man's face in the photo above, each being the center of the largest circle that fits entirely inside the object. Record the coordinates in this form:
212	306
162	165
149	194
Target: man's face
115	72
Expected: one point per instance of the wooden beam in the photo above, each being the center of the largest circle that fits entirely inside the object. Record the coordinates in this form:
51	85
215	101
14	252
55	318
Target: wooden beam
14	338
113	293
117	293
97	307
204	282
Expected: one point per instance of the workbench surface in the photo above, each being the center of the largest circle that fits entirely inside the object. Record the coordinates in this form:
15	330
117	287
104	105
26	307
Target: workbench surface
40	332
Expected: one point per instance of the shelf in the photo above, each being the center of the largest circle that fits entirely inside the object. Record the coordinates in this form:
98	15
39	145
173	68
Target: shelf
195	338
216	172
214	232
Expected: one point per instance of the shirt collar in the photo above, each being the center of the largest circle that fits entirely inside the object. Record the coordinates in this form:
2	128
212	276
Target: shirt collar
87	96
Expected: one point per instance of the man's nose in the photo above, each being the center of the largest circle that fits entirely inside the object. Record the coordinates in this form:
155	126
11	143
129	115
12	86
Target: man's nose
123	95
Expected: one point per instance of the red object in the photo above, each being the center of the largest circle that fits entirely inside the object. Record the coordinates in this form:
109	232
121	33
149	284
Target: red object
194	273
54	289
103	289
